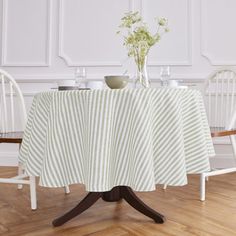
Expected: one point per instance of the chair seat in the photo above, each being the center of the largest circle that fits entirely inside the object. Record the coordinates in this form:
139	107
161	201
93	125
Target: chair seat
221	131
11	137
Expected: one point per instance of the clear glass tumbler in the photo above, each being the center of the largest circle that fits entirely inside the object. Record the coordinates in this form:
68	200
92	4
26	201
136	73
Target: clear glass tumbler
165	75
80	75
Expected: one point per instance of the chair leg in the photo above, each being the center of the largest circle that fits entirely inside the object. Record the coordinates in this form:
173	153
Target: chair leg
33	197
233	142
165	186
202	187
67	189
20	172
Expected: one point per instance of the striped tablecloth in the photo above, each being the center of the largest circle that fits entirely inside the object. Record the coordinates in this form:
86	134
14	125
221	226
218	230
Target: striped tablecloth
106	138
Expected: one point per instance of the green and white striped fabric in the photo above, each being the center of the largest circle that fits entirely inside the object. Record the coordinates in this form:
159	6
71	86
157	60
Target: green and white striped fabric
106	138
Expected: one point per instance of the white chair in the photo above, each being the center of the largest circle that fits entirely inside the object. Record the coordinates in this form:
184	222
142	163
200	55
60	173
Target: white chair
220	92
8	133
8	89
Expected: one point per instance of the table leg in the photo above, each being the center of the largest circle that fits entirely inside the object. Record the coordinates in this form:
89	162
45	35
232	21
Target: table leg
87	202
116	194
130	197
112	196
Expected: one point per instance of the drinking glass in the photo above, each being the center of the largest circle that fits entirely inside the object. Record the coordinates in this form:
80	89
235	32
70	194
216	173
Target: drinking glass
165	75
80	75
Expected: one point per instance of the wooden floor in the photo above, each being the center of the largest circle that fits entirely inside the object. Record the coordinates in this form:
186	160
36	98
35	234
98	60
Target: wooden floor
185	214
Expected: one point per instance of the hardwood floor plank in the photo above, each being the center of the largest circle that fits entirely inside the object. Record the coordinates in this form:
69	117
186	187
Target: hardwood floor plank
186	215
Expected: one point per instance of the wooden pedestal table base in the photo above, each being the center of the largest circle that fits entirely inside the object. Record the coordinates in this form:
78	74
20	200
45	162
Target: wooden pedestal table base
116	194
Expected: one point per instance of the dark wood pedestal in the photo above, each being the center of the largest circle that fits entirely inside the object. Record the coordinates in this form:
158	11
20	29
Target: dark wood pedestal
116	194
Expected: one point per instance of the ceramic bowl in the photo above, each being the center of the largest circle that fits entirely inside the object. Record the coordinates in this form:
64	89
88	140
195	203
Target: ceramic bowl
116	81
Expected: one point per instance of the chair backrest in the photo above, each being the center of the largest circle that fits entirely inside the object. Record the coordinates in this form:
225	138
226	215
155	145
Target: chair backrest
220	91
10	90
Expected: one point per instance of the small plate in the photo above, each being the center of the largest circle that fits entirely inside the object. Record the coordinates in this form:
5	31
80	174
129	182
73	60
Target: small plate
63	88
182	87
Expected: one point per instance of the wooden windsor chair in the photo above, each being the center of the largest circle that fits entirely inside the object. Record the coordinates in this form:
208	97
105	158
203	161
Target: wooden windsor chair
220	92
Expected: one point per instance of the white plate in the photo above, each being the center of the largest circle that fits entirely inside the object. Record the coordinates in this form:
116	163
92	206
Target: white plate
182	87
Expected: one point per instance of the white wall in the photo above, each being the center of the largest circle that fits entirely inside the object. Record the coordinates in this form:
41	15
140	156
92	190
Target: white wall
42	41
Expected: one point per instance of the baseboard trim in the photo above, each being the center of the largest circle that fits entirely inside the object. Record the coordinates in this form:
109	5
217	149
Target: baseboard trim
222	161
8	158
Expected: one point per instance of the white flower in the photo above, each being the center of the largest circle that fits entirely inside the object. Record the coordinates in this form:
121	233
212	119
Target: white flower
137	38
167	30
162	21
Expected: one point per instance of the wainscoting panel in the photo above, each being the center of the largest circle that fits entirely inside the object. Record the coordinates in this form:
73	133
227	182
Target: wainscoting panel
218	37
175	47
87	32
26	26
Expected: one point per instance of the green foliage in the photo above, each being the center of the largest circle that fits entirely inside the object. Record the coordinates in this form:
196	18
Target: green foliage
137	38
